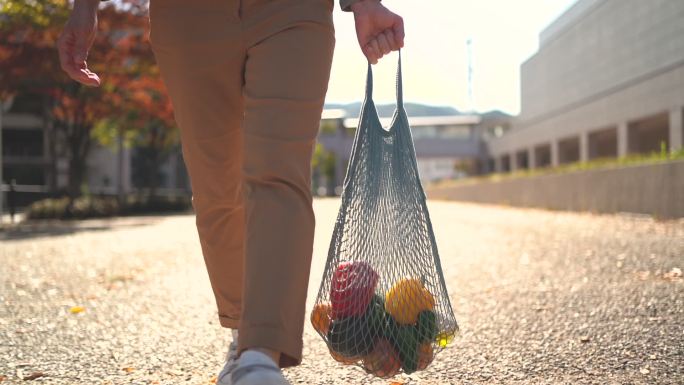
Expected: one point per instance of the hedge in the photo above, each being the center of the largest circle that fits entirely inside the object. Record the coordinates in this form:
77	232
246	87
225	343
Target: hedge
101	207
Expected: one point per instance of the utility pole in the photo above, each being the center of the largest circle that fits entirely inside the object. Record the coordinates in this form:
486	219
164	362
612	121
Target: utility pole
469	52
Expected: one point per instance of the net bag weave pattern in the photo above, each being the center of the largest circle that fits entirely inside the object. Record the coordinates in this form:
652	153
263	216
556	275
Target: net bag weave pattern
383	302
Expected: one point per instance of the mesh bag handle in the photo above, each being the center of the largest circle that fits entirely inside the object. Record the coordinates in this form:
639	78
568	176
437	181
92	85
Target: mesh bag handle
383	303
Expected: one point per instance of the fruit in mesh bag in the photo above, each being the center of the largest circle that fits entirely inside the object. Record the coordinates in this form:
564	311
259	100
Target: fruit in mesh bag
321	317
427	326
352	287
343	359
406	342
406	299
425	355
383	361
376	317
350	337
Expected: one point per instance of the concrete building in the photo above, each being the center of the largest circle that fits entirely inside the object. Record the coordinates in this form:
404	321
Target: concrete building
35	158
607	81
446	146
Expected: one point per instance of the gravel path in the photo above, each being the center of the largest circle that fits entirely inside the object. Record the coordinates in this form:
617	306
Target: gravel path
541	297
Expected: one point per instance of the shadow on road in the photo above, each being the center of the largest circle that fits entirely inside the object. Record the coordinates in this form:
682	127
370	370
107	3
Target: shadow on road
35	229
42	230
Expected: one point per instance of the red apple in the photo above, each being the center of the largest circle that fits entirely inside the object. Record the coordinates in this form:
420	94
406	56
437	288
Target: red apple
353	285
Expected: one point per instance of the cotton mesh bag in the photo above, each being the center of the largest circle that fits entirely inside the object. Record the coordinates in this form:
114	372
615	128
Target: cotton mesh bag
382	302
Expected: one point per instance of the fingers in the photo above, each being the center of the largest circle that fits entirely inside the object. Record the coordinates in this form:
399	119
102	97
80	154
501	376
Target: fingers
72	57
381	45
391	39
398	31
372	51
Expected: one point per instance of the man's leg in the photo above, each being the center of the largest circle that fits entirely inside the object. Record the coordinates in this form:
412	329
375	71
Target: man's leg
201	60
289	53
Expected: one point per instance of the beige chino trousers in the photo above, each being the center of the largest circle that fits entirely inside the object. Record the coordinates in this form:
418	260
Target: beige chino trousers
248	79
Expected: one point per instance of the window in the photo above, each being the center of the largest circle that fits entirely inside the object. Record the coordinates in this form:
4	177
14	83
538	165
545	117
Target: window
20	142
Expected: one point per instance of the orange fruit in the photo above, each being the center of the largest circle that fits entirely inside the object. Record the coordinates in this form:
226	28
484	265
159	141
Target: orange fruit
320	317
383	361
406	299
425	355
343	359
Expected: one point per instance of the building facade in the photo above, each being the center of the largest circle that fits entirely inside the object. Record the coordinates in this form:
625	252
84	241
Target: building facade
34	157
447	147
607	81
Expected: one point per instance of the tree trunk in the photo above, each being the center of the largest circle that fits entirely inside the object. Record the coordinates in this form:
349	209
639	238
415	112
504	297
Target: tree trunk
120	197
154	173
76	176
50	146
79	147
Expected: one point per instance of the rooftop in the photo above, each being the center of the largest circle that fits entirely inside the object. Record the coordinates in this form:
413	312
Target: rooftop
423	121
566	20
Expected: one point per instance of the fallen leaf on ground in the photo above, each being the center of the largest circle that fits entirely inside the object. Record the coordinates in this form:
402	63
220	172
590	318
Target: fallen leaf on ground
120	278
76	309
33	376
2	378
128	369
396	383
643	275
673	275
213	380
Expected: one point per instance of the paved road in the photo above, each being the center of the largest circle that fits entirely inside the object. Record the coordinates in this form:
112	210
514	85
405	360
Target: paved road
541	297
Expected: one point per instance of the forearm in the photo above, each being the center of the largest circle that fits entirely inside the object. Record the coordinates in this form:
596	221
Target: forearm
349	5
87	4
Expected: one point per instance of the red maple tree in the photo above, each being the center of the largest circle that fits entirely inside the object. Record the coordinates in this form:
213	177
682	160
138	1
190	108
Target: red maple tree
131	93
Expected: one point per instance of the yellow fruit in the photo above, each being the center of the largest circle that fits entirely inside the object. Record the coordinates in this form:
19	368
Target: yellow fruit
444	339
406	299
320	317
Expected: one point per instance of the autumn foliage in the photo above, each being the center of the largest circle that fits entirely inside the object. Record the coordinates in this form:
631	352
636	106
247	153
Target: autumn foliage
131	94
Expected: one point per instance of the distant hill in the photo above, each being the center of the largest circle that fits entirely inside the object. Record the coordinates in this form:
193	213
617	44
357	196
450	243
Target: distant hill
386	110
494	114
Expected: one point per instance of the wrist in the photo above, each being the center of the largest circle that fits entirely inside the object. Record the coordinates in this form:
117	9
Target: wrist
90	5
362	5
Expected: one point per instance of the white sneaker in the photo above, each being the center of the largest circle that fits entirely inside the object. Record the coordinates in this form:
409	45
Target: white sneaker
252	368
255	368
231	361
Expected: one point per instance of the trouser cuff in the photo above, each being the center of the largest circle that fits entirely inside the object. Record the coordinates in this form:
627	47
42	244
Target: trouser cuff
228	322
276	339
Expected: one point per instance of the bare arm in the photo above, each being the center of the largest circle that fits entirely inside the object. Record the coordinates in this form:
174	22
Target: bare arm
379	31
75	41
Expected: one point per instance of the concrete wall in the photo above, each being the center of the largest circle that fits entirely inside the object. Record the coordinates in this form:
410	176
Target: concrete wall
612	42
603	64
656	189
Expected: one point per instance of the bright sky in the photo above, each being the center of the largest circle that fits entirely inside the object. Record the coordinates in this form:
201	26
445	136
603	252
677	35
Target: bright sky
504	34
